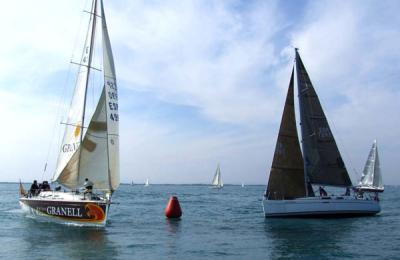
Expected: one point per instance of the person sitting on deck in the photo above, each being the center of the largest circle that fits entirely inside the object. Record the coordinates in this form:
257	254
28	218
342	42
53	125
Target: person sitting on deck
46	186
33	191
88	187
322	192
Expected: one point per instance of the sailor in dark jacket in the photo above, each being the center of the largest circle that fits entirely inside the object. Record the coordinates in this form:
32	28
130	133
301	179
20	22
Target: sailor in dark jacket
33	191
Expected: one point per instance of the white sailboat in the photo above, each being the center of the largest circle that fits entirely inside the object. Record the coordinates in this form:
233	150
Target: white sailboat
88	150
217	180
290	192
371	179
146	184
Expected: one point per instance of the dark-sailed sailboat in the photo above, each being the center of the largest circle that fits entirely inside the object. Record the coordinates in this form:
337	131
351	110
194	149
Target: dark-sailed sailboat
371	179
290	186
88	152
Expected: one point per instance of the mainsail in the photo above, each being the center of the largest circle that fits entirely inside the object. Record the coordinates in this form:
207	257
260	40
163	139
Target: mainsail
286	179
95	153
322	160
217	181
372	173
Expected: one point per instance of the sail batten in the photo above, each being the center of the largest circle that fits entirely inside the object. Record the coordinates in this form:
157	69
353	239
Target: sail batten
286	179
322	160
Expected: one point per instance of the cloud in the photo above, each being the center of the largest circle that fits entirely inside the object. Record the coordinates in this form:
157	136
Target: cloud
205	54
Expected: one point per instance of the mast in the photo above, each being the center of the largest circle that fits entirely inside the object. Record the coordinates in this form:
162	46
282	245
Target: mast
92	37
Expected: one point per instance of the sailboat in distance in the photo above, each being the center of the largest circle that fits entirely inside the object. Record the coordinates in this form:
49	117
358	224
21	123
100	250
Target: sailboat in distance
217	180
371	179
146	184
89	154
290	186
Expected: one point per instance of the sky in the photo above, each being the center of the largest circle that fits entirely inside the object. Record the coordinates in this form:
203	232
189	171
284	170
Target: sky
203	82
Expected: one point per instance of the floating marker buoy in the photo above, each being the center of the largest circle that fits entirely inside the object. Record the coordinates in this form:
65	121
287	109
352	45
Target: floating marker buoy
173	209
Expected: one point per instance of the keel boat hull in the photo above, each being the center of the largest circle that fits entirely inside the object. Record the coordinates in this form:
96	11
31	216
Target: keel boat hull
66	208
320	207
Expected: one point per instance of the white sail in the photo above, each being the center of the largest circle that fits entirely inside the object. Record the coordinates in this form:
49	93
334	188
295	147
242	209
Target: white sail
73	127
371	176
147	182
111	94
97	158
217	180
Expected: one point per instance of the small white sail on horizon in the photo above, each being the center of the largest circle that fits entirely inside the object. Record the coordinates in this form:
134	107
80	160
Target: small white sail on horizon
371	178
146	184
217	180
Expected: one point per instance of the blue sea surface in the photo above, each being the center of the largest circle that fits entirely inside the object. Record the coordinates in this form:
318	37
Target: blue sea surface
216	224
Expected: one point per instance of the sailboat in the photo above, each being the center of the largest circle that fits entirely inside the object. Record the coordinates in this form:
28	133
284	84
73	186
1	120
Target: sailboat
371	179
147	182
88	150
290	186
217	180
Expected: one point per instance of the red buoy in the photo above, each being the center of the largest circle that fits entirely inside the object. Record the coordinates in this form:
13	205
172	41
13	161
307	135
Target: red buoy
173	209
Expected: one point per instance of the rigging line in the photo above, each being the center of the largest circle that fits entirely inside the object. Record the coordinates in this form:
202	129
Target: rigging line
60	104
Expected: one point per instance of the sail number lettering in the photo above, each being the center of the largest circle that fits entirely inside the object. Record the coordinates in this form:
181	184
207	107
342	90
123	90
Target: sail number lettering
114	117
113	106
113	103
67	148
112	95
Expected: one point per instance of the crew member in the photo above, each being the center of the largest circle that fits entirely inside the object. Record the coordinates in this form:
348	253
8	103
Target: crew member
88	187
46	186
33	191
322	192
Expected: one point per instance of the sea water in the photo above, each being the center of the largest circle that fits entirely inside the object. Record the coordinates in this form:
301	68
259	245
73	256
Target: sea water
223	223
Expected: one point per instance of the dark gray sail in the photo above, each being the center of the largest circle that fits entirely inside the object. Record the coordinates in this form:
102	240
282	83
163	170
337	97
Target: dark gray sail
286	179
322	161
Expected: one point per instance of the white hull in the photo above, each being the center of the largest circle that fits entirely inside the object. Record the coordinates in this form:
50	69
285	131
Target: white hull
66	208
370	188
332	206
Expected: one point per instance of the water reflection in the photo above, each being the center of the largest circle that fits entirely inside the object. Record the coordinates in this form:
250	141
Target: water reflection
173	227
67	241
308	237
